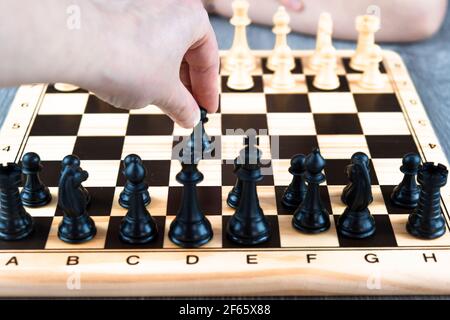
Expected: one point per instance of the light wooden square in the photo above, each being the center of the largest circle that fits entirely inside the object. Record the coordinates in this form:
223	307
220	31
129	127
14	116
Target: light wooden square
246	103
101	223
150	109
354	78
281	175
64	104
376	207
233	144
157	206
342	146
102	173
216	241
211	170
383	123
100	124
300	85
213	127
290	237
332	102
388	171
49	209
398	222
291	124
148	148
51	147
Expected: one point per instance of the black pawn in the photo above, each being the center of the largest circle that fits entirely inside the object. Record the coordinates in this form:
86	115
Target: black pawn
248	225
137	226
190	228
34	192
360	158
15	222
356	221
130	188
296	191
427	220
311	216
406	194
76	226
199	139
73	160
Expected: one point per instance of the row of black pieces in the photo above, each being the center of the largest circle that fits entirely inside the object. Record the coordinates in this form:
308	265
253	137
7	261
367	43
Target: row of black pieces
302	197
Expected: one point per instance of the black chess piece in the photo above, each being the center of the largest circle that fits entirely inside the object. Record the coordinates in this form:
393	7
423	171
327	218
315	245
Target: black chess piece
235	194
137	226
356	221
427	221
406	194
362	159
248	225
73	160
76	226
296	191
199	139
130	187
190	228
34	192
15	222
311	216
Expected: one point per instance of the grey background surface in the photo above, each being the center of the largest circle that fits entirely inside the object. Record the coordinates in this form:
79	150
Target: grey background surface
428	63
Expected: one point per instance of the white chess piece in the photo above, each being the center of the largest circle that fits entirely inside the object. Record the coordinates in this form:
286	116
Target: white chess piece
281	29
283	78
240	78
324	39
240	53
65	87
372	77
366	26
327	78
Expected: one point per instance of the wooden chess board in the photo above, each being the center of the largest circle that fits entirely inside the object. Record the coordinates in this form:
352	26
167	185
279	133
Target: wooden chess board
385	124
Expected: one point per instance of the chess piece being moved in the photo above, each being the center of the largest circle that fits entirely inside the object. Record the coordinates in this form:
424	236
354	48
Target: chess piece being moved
406	194
240	78
240	55
311	216
15	222
281	50
190	228
130	187
296	191
356	221
372	78
76	226
199	139
327	78
427	221
367	26
248	225
137	226
34	192
323	40
74	161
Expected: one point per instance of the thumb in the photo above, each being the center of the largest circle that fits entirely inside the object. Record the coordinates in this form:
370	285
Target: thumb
182	107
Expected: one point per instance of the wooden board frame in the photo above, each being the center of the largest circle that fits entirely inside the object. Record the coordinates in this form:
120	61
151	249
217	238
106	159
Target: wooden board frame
237	272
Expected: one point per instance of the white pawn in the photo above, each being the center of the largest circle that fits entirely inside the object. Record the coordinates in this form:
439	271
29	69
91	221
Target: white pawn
240	78
327	78
372	77
324	39
283	77
281	29
240	52
366	26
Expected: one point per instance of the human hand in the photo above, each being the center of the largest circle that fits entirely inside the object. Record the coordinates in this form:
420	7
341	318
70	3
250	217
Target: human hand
155	52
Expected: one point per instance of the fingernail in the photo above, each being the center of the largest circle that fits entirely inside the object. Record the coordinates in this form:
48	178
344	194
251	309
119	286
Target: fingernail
294	4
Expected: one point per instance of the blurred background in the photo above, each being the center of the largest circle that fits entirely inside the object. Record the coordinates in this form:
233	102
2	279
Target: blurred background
428	62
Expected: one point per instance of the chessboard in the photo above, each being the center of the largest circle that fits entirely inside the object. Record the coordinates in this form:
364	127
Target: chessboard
385	124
